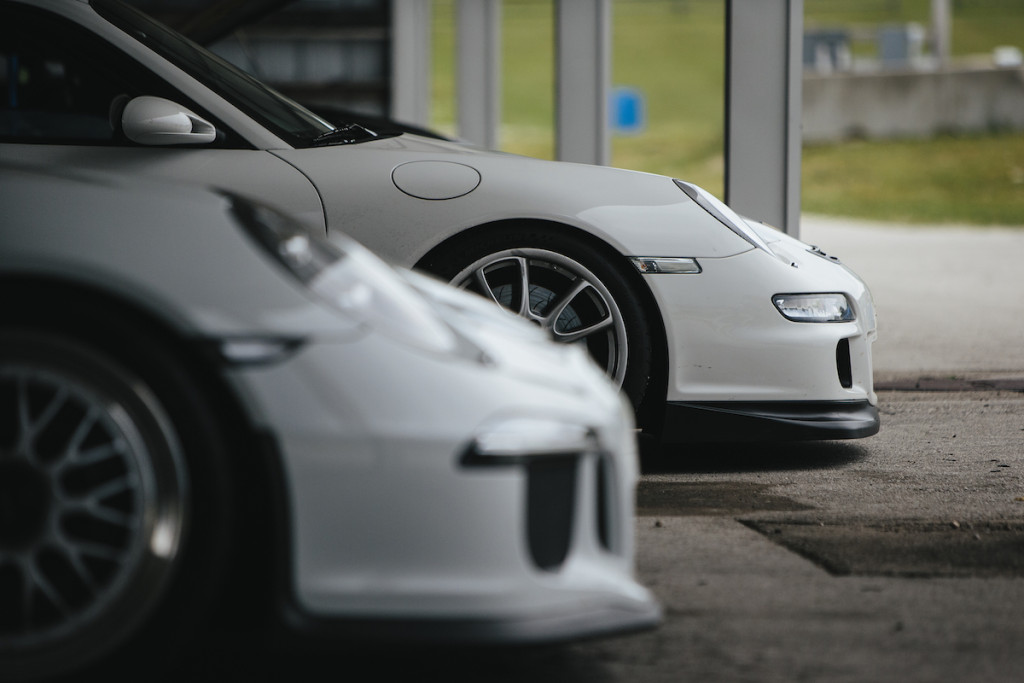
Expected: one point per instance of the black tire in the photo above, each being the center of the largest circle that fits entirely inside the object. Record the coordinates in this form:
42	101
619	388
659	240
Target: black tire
106	523
573	287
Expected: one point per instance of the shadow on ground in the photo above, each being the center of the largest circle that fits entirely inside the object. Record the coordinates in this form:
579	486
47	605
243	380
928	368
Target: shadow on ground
250	661
904	548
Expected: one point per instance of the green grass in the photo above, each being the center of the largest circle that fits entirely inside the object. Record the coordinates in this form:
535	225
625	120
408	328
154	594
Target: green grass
673	51
972	180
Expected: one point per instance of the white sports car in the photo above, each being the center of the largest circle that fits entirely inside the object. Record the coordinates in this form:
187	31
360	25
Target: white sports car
203	406
714	326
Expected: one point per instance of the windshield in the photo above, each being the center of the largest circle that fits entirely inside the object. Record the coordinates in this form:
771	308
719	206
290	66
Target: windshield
288	120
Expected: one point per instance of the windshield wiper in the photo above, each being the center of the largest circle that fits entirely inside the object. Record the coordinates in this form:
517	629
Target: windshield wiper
343	135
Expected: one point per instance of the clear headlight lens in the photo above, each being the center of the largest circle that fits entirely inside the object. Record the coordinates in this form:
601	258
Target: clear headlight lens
350	278
815	308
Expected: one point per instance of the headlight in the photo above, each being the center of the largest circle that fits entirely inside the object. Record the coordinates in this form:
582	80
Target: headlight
351	279
815	308
722	213
515	439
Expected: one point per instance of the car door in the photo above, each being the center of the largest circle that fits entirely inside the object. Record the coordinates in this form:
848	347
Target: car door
61	89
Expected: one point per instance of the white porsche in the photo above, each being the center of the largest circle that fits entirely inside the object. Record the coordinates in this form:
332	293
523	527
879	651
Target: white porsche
206	410
714	326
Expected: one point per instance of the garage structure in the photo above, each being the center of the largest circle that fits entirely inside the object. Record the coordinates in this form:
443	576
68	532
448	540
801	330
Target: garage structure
375	56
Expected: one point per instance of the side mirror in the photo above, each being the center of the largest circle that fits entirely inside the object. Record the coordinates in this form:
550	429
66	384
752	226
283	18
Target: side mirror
151	120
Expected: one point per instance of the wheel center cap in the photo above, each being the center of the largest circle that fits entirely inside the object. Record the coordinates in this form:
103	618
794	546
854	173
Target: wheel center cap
25	501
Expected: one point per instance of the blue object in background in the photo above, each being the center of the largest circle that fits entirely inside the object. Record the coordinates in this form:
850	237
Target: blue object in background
628	110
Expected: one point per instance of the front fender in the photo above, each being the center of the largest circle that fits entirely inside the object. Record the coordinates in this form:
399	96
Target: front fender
635	213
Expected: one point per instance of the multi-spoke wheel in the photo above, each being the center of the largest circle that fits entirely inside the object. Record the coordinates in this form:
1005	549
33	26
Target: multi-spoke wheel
94	504
563	285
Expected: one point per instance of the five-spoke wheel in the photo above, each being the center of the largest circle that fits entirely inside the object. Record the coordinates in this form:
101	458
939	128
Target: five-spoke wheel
566	286
557	293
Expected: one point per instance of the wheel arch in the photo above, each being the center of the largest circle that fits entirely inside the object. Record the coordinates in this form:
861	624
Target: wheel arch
122	328
650	414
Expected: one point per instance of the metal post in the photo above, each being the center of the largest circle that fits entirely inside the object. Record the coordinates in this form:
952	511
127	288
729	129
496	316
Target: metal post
942	31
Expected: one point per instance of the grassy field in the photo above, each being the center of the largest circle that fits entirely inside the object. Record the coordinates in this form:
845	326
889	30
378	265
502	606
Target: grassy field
673	51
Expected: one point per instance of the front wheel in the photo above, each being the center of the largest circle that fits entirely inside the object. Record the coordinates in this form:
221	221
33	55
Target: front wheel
567	287
95	504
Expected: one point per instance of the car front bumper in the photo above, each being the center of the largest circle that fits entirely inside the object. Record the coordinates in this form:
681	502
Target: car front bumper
739	370
394	532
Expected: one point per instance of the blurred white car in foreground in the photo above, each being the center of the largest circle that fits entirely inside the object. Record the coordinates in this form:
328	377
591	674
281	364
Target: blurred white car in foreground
715	327
203	406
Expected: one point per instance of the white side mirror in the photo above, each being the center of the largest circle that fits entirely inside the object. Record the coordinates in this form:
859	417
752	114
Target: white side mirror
151	120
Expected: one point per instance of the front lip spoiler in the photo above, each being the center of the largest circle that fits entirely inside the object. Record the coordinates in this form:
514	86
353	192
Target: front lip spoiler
611	619
725	421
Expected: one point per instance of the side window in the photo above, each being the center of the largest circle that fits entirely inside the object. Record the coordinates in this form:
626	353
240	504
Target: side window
60	84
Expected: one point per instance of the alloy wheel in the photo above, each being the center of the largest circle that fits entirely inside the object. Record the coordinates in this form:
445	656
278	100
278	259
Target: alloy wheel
92	500
560	295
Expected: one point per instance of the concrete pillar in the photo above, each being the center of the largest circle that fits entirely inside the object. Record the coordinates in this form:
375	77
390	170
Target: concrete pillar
764	45
582	75
478	58
410	61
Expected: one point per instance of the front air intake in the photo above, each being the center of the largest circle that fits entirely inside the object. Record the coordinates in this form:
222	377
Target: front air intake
551	502
843	365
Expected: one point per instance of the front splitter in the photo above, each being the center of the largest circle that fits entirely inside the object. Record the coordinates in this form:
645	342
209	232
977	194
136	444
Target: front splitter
768	421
